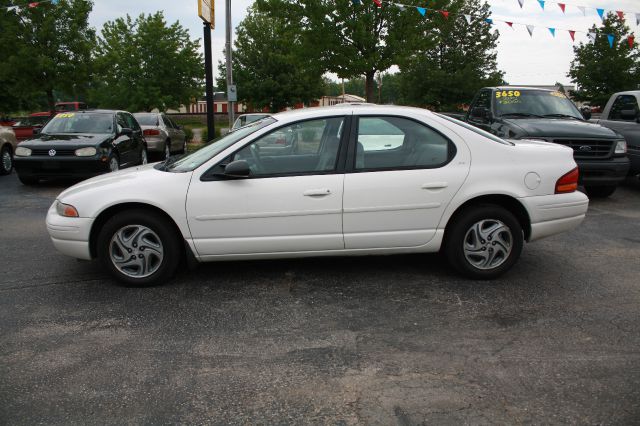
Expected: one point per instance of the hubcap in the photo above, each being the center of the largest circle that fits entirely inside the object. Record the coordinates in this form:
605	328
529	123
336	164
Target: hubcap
144	156
113	164
167	151
136	251
487	244
7	161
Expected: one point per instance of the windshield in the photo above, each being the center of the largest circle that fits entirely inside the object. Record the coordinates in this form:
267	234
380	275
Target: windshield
198	158
71	122
147	119
536	103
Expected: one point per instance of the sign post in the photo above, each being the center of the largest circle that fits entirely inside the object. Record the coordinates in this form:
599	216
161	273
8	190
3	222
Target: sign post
206	13
231	88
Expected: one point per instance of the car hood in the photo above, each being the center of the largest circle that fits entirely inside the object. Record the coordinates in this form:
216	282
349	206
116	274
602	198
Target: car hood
560	128
61	140
129	176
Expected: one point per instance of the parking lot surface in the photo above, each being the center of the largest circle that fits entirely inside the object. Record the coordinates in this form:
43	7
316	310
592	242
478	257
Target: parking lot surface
375	340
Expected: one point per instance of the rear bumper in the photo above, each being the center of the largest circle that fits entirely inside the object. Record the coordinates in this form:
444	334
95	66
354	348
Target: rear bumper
70	235
155	143
603	172
61	166
553	214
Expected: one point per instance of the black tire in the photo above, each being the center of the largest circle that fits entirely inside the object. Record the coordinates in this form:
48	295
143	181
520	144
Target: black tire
600	191
28	180
6	156
456	234
183	150
163	229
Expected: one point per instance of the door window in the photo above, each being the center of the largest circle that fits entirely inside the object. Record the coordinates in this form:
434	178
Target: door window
623	102
399	143
307	147
122	122
131	122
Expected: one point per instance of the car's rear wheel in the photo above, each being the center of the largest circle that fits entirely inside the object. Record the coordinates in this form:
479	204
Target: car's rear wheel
139	248
27	179
167	149
600	191
144	159
484	241
6	160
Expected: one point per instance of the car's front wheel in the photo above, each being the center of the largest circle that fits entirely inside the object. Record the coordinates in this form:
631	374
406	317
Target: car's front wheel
139	248
6	160
484	241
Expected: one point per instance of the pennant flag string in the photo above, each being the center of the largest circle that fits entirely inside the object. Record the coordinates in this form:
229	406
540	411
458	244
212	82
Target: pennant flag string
30	5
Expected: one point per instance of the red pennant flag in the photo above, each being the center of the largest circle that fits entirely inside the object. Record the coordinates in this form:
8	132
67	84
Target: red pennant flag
378	3
34	4
630	40
620	14
572	33
509	23
445	13
562	6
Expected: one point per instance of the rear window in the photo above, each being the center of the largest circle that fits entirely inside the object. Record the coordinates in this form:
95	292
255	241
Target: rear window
147	119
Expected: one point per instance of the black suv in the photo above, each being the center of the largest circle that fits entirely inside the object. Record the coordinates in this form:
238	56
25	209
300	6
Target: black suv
530	113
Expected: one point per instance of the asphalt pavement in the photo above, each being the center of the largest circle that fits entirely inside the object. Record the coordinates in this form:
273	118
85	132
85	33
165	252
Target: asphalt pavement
373	340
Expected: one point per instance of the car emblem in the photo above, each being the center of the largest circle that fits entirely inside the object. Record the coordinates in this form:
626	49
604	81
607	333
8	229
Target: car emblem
52	152
585	148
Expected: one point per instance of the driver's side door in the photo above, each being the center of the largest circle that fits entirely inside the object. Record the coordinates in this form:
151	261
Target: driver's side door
292	202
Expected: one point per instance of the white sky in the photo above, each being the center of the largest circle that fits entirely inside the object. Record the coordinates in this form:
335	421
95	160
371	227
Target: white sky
540	59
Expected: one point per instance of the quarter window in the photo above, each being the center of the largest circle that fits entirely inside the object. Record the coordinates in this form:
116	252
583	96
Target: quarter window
301	148
397	143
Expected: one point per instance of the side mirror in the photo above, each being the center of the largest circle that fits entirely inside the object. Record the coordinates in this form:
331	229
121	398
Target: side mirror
126	131
628	114
480	113
237	169
36	130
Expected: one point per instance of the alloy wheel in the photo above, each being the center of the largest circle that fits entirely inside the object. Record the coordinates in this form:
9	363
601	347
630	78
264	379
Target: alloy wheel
114	166
487	244
7	160
167	151
136	251
143	156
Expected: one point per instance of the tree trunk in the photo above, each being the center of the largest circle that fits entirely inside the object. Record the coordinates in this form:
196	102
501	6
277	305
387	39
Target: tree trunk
50	100
369	89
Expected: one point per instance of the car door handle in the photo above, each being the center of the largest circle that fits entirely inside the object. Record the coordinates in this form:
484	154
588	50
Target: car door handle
321	192
435	185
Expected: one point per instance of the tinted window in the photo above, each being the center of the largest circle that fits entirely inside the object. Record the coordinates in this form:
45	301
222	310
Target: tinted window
395	143
131	122
304	147
483	100
122	123
70	122
147	119
623	102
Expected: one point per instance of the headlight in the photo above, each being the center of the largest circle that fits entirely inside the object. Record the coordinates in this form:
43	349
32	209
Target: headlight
22	151
621	147
66	210
86	152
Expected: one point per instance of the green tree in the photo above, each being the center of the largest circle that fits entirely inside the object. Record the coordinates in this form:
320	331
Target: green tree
270	66
600	70
145	64
447	70
47	49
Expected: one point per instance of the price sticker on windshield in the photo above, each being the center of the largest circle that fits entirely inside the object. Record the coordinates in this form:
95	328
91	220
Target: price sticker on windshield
557	94
66	115
507	94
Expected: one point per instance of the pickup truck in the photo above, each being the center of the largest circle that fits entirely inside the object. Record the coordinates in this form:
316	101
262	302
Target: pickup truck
623	115
530	113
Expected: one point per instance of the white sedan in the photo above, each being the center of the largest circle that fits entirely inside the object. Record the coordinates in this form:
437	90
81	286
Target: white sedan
334	189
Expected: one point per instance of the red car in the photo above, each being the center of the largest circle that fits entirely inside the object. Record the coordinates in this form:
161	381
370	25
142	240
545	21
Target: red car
24	128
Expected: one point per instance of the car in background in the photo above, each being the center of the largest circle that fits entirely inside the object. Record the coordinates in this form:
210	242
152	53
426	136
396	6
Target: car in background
442	185
26	127
70	106
245	119
162	134
81	144
8	143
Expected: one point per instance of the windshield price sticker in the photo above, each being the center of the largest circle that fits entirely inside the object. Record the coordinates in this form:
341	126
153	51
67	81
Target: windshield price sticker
66	115
557	94
507	94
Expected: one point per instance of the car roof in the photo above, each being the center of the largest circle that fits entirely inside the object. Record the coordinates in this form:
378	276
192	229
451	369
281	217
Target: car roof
629	92
519	88
355	108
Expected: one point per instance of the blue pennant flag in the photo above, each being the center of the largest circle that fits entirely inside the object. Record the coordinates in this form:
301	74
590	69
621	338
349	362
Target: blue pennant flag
54	2
422	10
541	4
552	31
489	21
610	37
601	13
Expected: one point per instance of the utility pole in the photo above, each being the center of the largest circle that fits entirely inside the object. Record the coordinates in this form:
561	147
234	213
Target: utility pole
231	92
208	69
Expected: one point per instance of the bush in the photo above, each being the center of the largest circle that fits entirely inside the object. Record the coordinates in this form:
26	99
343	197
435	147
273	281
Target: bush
188	133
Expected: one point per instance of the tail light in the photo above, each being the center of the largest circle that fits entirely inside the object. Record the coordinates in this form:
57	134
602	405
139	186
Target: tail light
151	132
567	182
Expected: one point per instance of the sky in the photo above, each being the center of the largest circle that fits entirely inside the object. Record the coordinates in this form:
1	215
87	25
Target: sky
540	59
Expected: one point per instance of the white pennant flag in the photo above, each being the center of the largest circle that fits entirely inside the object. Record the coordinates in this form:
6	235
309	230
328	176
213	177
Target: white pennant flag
583	10
591	35
530	29
637	18
520	2
401	7
12	8
468	18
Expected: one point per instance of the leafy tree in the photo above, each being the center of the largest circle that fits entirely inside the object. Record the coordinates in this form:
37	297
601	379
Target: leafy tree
447	70
270	65
47	48
600	70
146	64
354	86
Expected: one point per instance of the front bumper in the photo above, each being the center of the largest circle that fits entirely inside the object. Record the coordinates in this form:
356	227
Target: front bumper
70	235
61	166
553	214
603	172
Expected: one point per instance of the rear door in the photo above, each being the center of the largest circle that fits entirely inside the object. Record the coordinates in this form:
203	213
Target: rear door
401	178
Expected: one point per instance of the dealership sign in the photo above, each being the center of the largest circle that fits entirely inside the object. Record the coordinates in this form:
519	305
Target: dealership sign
206	12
